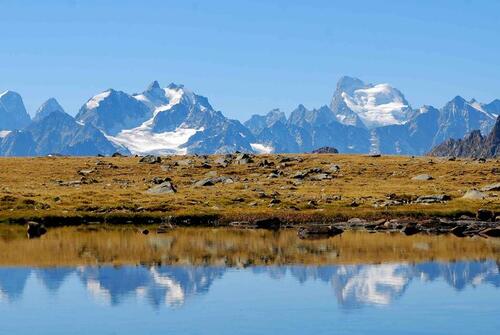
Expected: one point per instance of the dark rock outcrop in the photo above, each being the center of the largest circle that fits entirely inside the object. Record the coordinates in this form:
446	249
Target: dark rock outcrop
325	150
473	145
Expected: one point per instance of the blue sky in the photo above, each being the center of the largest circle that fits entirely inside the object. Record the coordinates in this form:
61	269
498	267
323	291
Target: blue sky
249	56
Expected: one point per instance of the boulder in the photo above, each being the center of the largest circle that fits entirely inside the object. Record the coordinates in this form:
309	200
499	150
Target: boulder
485	215
430	199
491	187
325	150
334	168
86	172
213	181
422	177
150	159
163	188
474	195
117	154
243	158
35	230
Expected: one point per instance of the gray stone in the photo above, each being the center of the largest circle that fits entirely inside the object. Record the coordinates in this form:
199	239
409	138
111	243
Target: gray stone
150	159
422	177
474	195
429	199
163	188
491	187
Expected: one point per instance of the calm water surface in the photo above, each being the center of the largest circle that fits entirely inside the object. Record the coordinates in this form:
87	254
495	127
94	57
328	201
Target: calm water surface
394	298
222	281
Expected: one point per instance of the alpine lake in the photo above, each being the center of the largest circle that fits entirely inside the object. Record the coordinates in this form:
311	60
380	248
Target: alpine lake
246	281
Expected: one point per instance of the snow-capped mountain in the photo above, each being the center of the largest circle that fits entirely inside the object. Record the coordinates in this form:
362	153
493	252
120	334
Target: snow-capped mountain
55	132
182	122
112	111
13	114
459	117
361	118
356	103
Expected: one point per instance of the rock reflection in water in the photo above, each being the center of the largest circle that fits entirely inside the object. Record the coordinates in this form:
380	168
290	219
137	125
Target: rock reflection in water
353	286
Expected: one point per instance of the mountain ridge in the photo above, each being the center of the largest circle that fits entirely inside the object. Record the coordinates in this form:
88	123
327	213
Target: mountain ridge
361	118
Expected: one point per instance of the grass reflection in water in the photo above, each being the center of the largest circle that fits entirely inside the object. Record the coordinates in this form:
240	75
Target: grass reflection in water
231	247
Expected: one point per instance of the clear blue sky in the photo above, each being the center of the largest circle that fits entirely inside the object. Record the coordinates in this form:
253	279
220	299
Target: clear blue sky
249	56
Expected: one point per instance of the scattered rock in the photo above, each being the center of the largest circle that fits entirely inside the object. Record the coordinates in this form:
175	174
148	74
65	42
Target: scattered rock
183	162
213	181
163	188
485	215
422	177
474	195
150	159
117	154
86	172
145	231
334	168
243	158
265	163
160	180
275	201
35	230
491	187
225	160
430	199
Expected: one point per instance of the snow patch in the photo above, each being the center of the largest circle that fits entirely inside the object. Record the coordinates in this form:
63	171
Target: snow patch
379	105
142	140
479	107
96	100
4	133
261	148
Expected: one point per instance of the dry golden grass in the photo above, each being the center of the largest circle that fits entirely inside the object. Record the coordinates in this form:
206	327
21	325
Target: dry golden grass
231	247
29	188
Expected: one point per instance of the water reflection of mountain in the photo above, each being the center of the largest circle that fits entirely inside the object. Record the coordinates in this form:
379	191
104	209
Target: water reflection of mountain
353	285
12	282
159	285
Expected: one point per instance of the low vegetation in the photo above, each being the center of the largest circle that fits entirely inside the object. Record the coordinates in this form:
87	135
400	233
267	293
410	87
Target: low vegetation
298	188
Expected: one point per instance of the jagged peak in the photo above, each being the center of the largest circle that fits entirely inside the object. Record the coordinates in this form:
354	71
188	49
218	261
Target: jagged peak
9	93
458	99
153	86
48	107
349	84
174	86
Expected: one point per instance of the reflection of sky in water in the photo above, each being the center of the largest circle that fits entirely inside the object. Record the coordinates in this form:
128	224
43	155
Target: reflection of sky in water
102	299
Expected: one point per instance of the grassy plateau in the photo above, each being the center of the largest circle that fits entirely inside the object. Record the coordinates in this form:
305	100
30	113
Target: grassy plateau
65	190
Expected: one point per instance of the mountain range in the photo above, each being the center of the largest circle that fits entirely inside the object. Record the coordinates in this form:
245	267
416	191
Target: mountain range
360	118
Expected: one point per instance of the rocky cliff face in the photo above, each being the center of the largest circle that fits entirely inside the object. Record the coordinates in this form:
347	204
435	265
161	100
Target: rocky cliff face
473	145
